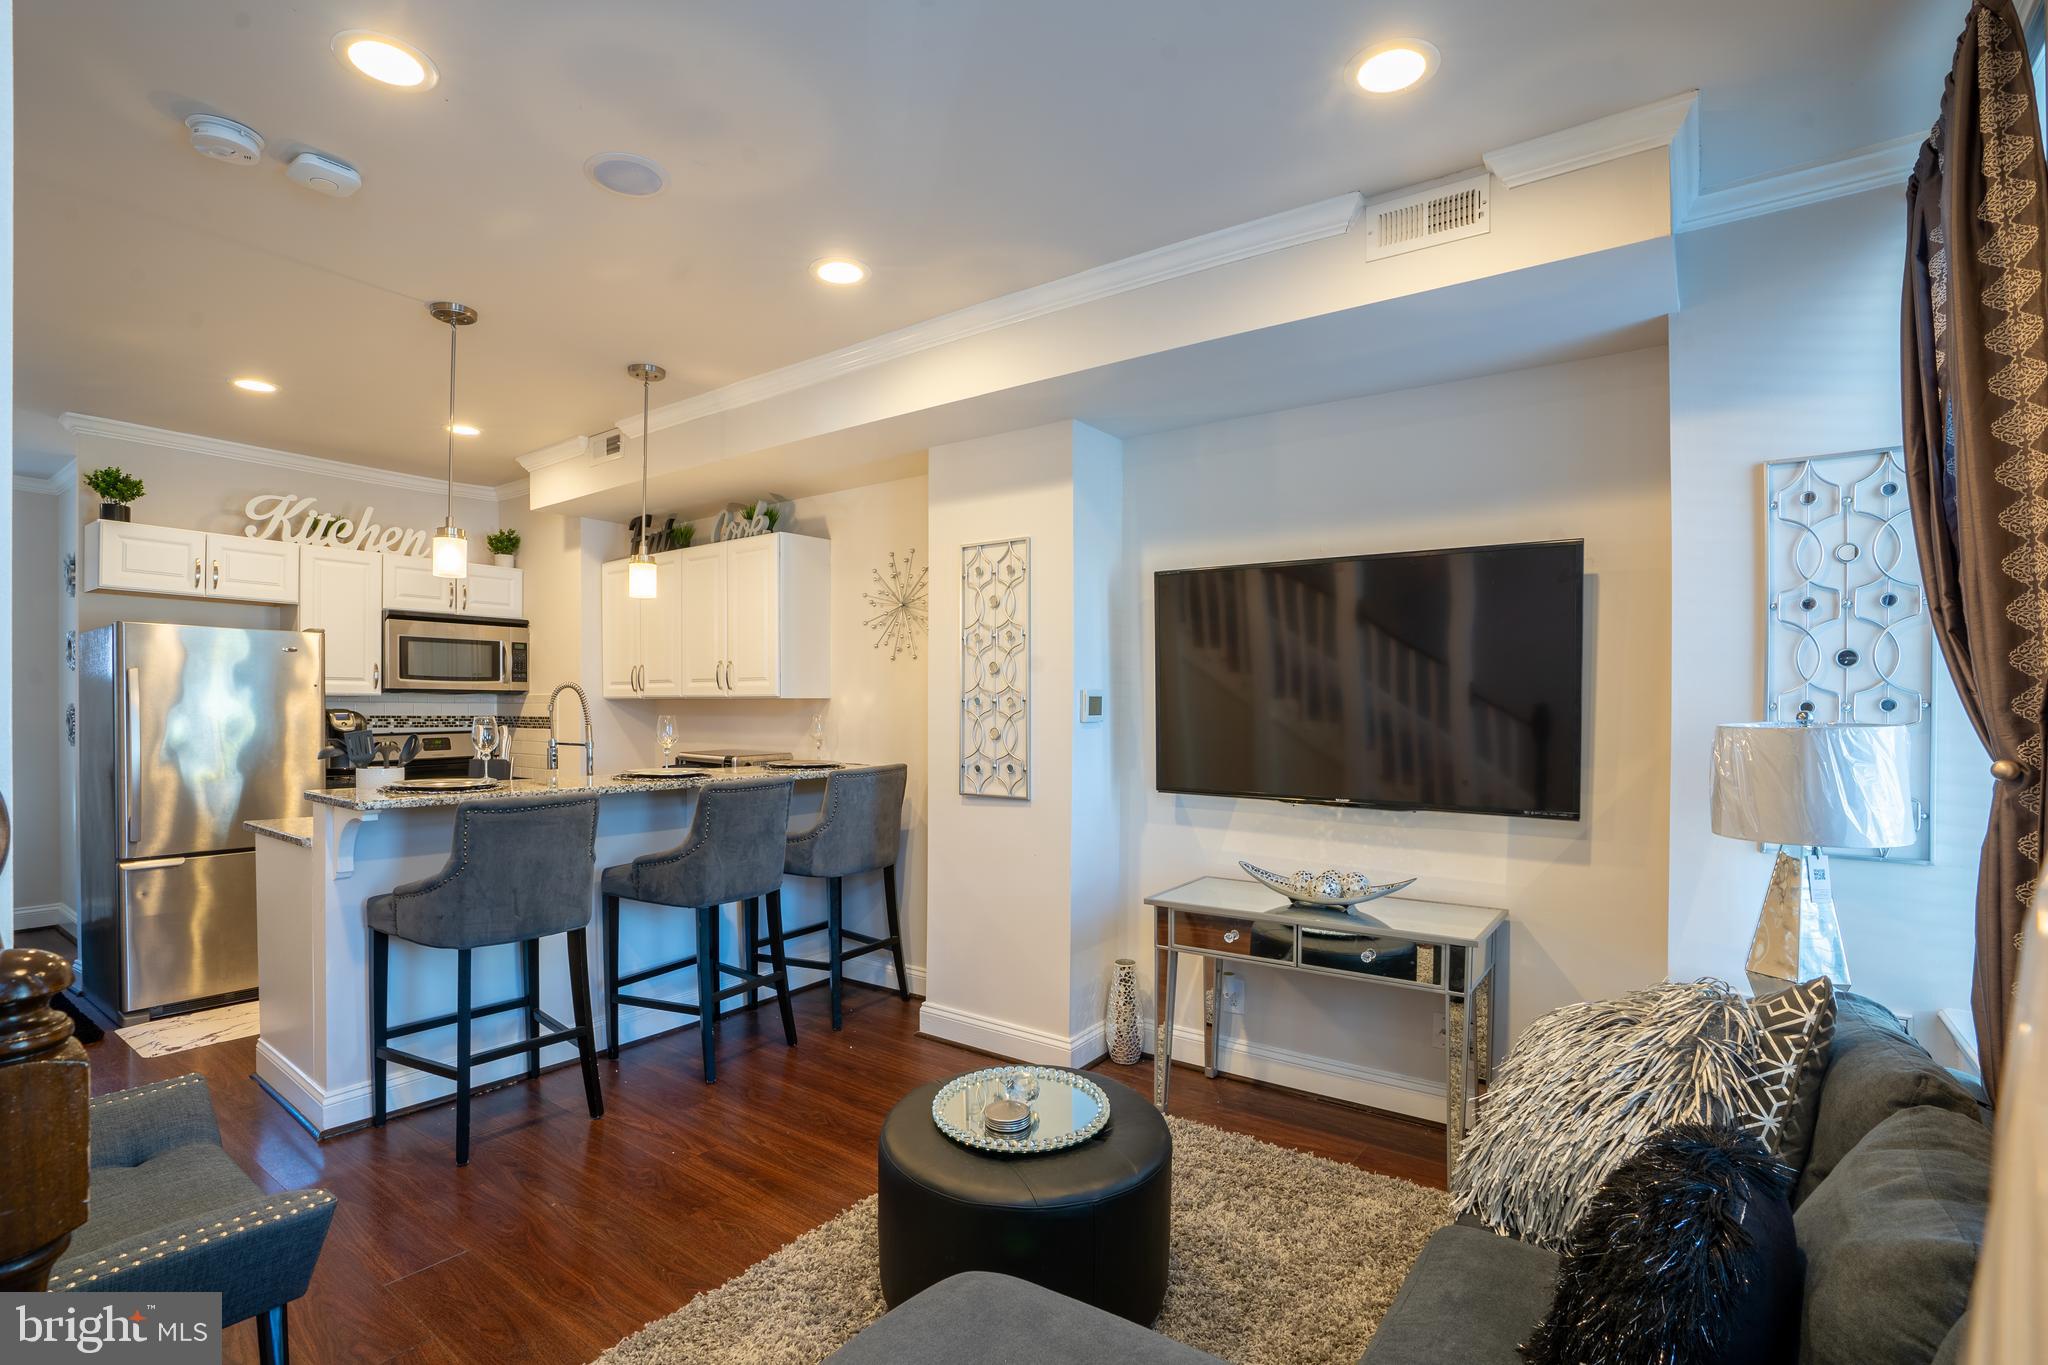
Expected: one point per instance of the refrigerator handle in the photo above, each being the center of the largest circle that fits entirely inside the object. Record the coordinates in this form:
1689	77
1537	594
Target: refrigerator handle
131	751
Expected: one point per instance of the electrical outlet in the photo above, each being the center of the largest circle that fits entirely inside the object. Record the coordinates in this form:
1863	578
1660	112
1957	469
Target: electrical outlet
1443	1032
1233	993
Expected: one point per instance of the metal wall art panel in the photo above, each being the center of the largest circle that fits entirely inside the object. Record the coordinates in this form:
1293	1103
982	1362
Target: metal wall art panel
1847	636
995	669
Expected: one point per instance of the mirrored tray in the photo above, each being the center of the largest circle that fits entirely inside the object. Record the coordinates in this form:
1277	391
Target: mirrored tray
785	765
428	786
1066	1109
658	774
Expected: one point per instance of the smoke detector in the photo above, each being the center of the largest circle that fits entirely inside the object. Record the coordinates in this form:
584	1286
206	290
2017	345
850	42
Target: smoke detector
324	174
626	173
223	139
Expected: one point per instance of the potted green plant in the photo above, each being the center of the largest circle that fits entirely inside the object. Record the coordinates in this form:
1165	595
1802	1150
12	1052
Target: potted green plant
116	489
504	546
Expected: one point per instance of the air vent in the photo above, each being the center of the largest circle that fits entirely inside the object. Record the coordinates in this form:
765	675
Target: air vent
609	447
1443	212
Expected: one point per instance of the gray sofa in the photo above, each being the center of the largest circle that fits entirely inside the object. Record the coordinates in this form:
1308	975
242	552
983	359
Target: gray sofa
1889	1212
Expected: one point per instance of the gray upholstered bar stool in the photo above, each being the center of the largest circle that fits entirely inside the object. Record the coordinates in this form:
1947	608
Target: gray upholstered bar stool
733	853
520	873
856	831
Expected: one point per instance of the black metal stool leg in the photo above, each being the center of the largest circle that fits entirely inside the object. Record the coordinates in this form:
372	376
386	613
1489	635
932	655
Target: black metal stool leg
781	967
895	931
707	988
752	916
462	977
380	1007
832	956
272	1344
586	1036
611	976
529	980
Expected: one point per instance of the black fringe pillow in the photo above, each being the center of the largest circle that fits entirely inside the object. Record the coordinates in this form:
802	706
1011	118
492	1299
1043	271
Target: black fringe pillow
1685	1256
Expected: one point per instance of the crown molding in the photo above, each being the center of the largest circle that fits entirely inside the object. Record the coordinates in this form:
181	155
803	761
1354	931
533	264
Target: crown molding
82	424
536	460
55	482
1604	139
1887	163
515	491
1331	217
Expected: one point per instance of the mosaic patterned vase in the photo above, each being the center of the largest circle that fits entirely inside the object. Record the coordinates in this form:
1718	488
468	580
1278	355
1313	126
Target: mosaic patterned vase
1122	1024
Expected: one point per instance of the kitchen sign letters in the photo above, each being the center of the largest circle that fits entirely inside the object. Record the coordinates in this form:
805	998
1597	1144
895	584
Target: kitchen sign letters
272	517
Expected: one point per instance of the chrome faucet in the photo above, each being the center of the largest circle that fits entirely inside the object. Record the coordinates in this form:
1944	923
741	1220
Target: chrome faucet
554	745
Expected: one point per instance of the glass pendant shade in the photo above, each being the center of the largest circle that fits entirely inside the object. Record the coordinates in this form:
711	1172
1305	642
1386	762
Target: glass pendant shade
640	576
451	553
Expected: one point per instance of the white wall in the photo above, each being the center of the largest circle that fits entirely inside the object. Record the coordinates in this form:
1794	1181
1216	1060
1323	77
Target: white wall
876	712
41	818
1017	896
1788	345
1566	451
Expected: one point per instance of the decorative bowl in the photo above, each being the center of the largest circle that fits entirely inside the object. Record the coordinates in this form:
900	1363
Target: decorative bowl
1336	890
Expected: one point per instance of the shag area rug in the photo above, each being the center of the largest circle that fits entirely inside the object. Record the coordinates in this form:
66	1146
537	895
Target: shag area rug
1278	1258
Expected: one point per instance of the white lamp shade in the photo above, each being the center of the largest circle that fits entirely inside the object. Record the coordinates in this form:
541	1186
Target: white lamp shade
451	554
1820	786
641	576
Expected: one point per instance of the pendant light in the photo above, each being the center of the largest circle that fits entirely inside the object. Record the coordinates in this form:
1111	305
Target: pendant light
451	551
640	570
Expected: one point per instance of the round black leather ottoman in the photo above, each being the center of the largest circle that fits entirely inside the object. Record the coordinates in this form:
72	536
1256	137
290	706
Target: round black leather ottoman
1089	1222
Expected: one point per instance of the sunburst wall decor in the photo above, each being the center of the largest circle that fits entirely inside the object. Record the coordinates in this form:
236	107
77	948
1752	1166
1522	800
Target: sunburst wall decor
900	599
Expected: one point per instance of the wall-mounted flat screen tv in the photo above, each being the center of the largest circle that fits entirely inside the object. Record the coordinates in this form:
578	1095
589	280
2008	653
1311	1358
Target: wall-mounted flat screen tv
1439	680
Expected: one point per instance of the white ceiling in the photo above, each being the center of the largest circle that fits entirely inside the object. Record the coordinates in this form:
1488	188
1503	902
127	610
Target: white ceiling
962	148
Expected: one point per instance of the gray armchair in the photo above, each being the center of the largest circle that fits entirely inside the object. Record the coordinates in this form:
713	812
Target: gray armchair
169	1212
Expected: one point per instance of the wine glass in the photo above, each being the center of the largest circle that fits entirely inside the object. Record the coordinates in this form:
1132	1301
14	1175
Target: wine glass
483	736
665	730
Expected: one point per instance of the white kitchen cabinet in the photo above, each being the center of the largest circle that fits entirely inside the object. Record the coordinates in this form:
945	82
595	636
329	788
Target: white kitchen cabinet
701	621
251	570
755	618
642	642
410	585
492	591
124	556
341	592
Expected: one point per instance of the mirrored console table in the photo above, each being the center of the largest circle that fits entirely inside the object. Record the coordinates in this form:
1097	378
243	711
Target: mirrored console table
1448	951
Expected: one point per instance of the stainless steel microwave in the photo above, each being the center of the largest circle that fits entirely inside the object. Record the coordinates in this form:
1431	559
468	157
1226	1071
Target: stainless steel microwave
453	654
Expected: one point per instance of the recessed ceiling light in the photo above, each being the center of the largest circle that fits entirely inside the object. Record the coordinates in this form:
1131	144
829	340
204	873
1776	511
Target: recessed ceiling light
464	429
1391	67
839	270
384	58
626	173
249	385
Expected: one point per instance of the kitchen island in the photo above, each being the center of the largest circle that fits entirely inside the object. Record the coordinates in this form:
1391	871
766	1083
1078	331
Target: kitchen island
314	874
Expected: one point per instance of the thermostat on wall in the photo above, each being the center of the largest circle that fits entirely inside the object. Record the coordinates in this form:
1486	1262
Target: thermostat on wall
1094	708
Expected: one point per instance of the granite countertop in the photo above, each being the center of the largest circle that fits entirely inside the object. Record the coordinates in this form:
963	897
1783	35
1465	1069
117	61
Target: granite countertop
296	829
571	785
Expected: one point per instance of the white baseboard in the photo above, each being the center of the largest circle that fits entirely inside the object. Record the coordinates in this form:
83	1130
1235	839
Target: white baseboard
1018	1042
55	915
1388	1090
875	969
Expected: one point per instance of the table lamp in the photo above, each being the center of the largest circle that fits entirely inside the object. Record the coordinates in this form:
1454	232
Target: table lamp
1812	787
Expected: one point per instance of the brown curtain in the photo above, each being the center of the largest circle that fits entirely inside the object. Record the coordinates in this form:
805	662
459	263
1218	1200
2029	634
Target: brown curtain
1976	407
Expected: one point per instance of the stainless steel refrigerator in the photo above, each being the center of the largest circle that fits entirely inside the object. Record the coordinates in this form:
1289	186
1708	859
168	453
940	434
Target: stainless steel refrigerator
184	732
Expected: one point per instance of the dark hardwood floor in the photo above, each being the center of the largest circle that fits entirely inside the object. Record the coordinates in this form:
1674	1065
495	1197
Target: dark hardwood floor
563	1235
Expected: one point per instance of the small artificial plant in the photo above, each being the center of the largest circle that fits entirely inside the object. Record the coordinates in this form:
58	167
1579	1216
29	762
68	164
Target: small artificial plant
764	507
503	542
114	485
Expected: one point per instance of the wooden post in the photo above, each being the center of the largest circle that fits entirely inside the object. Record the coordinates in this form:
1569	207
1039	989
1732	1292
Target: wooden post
45	1095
